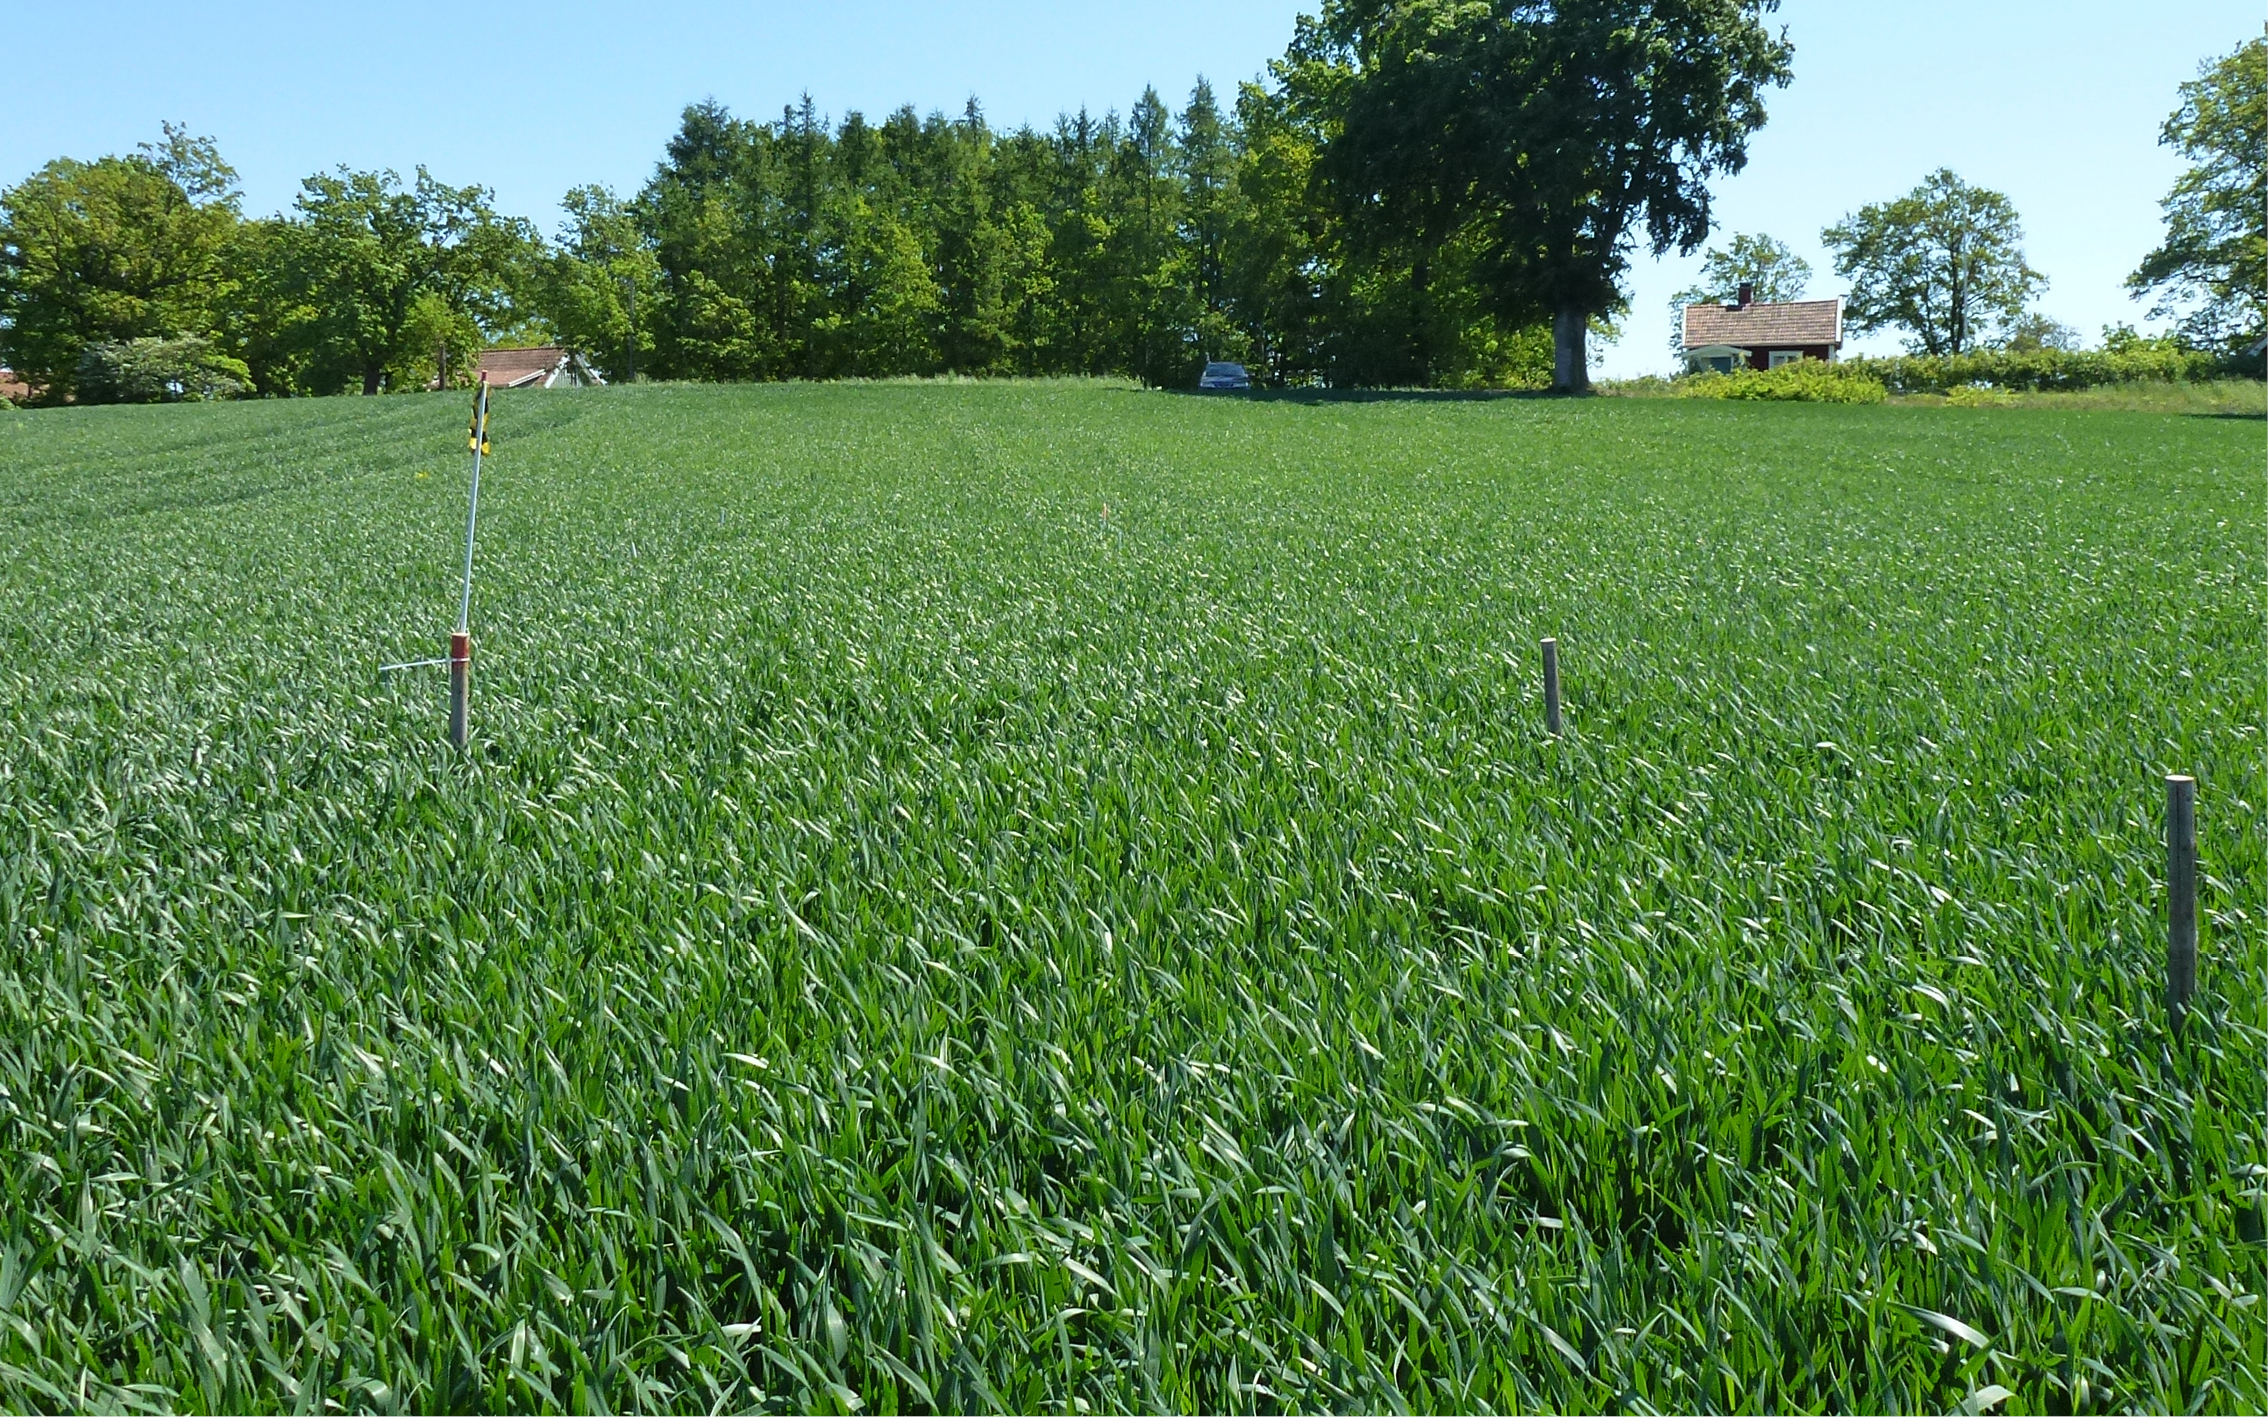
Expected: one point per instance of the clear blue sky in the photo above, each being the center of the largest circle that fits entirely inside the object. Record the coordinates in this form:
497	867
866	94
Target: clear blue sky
2056	102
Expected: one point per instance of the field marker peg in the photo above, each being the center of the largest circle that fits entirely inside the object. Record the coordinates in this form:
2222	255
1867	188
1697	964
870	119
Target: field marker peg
1551	686
460	643
460	682
2181	897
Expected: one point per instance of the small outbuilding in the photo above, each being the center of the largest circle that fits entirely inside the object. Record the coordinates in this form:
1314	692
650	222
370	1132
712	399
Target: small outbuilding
1752	334
548	366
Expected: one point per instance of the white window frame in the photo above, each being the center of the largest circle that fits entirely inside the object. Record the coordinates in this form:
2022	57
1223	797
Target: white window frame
1779	357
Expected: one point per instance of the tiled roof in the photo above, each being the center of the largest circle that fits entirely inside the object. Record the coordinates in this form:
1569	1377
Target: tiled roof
1760	326
509	367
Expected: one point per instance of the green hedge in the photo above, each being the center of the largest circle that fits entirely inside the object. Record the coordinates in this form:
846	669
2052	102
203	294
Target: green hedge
2047	369
1805	381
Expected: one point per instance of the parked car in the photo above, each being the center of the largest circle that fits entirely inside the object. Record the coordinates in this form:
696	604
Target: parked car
1219	375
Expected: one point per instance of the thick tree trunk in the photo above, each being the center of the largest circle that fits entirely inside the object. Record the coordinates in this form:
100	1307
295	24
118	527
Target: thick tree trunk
370	380
1570	358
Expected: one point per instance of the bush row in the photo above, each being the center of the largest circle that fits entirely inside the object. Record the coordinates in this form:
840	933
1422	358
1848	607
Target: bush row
1806	381
2145	362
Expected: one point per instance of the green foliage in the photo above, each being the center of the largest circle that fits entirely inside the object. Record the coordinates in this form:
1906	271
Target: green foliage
1804	381
118	249
2212	271
1979	396
185	370
1145	245
2217	398
881	298
2135	361
380	275
1279	241
795	249
2034	332
1520	359
1776	273
1547	134
438	345
1206	162
1944	263
907	937
590	286
2123	338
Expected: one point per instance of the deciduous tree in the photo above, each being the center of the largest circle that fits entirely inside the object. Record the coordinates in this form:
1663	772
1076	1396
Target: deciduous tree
1945	263
2034	332
1205	158
113	250
365	254
1771	270
600	270
2211	272
1556	131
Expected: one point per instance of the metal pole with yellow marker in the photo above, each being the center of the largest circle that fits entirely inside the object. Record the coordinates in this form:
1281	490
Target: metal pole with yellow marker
460	643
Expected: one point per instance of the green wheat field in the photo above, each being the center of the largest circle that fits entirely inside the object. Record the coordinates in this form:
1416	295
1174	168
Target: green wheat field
1055	897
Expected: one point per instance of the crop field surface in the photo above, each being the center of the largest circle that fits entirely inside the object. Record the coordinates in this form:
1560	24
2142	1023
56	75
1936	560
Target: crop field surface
1059	898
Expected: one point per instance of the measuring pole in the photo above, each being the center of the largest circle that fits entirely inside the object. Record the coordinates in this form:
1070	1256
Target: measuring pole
460	643
2181	897
1551	687
460	675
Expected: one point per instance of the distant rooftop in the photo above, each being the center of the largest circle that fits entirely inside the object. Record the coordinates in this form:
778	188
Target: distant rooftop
510	368
1758	325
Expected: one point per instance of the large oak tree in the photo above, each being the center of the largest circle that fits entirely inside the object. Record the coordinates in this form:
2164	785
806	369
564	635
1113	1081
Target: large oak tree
1552	133
386	272
2212	270
117	249
1945	263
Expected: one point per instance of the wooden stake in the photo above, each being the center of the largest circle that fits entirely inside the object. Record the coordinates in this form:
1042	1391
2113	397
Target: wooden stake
2181	897
460	676
1551	686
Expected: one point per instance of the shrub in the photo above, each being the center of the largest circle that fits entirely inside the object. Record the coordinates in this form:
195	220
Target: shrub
1642	386
2134	362
1979	396
185	370
1805	381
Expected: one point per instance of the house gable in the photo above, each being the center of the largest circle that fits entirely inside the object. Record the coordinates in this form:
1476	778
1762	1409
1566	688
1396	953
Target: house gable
1765	334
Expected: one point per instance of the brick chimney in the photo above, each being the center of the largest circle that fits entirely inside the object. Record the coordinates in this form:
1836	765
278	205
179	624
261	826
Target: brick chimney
1747	294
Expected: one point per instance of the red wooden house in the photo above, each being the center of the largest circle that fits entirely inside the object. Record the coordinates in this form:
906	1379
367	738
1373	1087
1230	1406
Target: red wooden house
1760	334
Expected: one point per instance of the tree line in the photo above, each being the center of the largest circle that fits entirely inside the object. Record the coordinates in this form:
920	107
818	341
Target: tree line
1138	245
1422	192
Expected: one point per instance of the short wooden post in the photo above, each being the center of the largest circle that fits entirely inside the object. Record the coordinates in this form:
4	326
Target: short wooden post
460	675
2181	897
1551	686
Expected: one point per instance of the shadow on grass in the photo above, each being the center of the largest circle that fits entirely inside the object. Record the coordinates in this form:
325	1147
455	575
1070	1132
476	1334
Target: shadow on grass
1323	396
